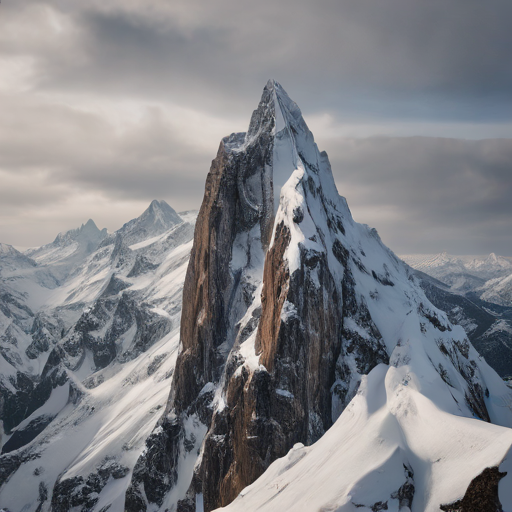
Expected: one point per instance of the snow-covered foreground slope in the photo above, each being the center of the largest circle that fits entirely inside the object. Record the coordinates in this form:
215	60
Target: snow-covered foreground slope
88	369
392	449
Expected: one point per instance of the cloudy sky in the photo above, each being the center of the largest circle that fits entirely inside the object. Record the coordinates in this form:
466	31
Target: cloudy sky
108	104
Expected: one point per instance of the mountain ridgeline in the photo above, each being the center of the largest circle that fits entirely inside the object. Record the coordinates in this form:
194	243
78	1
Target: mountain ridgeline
289	306
89	330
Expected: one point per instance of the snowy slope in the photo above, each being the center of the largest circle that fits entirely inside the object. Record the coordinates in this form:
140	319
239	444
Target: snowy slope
391	449
97	381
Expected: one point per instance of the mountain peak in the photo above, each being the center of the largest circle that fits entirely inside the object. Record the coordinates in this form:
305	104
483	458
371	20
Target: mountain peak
162	210
291	309
158	218
492	258
158	204
90	228
278	124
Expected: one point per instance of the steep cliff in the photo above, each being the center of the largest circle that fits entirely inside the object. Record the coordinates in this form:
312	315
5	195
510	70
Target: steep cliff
288	305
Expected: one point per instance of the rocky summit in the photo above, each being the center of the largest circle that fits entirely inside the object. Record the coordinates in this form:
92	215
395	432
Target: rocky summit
305	339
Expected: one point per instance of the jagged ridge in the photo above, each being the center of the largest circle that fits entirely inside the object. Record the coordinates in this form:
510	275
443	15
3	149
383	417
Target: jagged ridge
288	304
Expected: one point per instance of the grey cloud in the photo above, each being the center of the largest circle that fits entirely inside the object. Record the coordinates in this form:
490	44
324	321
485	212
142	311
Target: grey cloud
392	58
433	194
358	60
82	149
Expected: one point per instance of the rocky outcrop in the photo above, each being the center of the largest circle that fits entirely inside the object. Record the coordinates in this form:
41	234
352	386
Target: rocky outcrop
83	492
481	495
215	295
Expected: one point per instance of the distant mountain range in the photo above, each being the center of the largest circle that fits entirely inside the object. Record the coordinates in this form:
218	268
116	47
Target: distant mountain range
490	275
88	340
476	292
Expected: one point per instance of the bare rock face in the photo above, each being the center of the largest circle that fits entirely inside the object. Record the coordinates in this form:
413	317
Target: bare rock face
481	495
277	329
237	207
239	291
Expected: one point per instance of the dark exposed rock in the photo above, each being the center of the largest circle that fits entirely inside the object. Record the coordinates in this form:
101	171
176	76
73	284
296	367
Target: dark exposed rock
155	364
481	495
405	494
21	437
14	406
10	462
141	266
114	286
46	332
84	492
156	470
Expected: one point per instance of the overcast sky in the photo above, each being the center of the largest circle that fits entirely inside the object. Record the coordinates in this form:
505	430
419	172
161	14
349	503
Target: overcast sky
108	104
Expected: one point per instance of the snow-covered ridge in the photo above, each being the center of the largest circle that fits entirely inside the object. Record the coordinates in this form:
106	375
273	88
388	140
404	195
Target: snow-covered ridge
439	265
69	246
487	277
89	334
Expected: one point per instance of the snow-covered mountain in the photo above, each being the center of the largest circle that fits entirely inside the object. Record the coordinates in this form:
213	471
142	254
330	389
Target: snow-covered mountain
299	327
468	289
276	356
462	273
88	338
498	290
443	264
156	220
488	325
69	248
